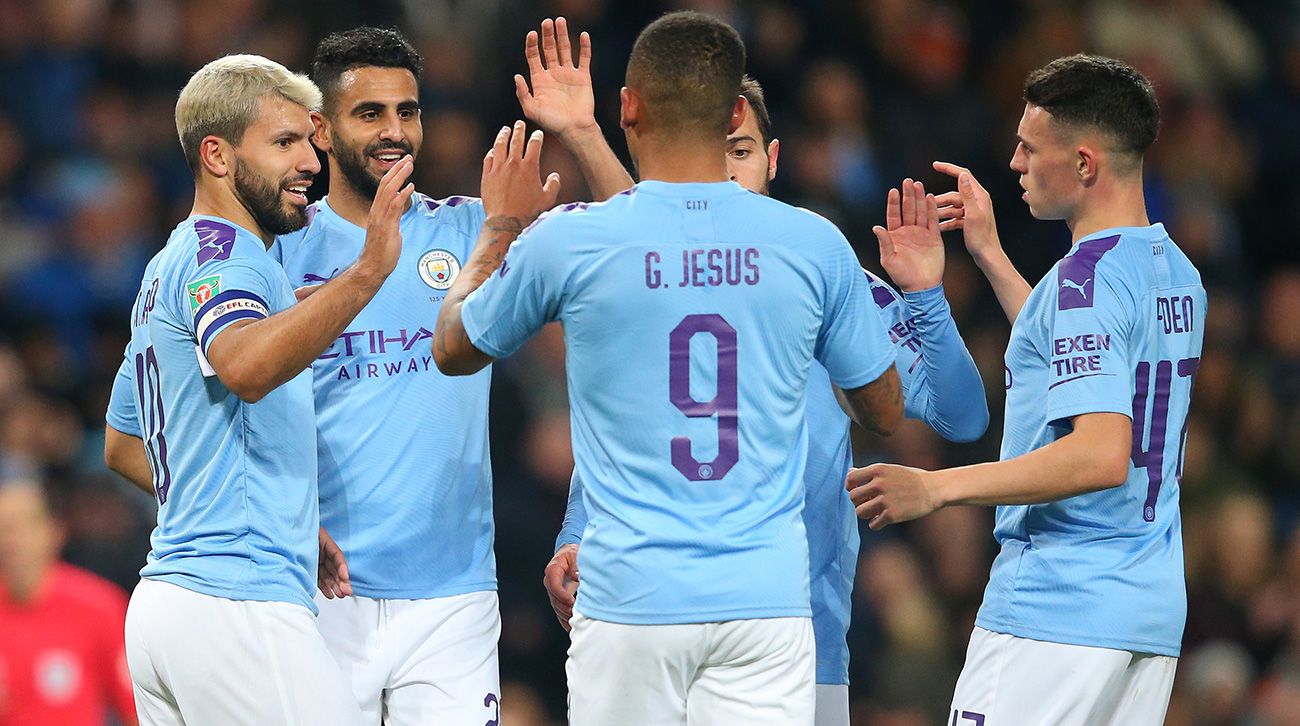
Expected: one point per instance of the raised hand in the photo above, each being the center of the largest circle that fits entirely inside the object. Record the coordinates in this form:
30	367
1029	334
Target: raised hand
969	209
561	582
561	100
512	187
383	235
911	250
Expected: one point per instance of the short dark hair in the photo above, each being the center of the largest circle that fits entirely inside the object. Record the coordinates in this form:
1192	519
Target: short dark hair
1103	93
687	67
343	51
753	92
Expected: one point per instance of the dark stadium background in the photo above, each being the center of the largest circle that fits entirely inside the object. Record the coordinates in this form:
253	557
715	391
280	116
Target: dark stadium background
862	93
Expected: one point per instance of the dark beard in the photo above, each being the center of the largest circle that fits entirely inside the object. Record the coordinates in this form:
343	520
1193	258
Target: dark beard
262	200
353	163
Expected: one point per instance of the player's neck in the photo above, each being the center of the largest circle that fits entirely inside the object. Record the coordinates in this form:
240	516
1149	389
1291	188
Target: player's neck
219	201
1119	203
347	202
683	159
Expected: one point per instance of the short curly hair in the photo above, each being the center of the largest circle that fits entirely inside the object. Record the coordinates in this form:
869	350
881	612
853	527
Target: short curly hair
343	51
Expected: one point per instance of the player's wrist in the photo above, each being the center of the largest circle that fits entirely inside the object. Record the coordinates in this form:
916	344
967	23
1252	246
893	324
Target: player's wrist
577	136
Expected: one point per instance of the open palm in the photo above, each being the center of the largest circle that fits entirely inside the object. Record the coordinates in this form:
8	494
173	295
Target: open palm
561	100
911	249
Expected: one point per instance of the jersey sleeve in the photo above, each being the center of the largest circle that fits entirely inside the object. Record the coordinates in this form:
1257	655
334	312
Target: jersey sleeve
942	385
521	296
121	402
575	515
1091	324
220	293
852	344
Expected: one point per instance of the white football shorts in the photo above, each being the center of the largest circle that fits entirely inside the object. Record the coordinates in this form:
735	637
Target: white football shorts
197	660
430	661
1012	681
756	672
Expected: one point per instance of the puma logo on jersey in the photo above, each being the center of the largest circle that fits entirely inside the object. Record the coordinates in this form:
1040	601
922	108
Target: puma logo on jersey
311	277
1080	286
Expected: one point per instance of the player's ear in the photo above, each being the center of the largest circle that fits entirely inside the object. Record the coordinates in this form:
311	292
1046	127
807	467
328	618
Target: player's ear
216	156
738	113
630	108
773	150
320	135
1086	164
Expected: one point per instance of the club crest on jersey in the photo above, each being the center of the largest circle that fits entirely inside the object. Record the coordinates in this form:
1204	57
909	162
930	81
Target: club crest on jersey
438	269
202	291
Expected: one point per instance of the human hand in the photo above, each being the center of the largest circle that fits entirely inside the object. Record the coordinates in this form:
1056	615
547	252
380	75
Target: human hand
911	249
885	494
561	582
561	100
969	209
332	569
510	186
383	234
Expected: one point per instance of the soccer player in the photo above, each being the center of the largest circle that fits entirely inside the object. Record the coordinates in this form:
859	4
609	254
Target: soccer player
212	406
405	476
62	658
939	378
692	313
1083	615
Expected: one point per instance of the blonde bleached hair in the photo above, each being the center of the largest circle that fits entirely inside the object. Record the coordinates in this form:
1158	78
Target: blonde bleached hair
223	98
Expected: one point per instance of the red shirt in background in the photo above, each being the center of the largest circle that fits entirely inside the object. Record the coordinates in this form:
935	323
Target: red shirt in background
62	655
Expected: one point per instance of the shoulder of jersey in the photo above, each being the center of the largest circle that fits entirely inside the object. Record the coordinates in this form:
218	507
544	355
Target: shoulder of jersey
211	240
582	210
882	292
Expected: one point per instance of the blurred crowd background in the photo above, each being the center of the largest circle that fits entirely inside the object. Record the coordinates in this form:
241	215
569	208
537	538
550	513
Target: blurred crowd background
862	93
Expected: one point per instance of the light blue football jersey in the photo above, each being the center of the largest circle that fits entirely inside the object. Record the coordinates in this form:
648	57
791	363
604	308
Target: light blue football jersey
405	476
941	386
692	314
235	482
1116	326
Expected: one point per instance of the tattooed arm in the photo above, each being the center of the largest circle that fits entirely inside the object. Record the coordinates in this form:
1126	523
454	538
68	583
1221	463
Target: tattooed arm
877	406
512	198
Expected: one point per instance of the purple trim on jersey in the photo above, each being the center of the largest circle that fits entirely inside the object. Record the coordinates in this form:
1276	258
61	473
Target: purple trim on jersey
1075	378
229	317
881	294
222	297
1074	276
312	209
454	201
216	240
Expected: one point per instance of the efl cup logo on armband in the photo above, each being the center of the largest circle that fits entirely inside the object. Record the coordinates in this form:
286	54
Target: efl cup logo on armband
438	269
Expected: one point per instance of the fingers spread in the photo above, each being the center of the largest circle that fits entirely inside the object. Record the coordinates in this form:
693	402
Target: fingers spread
909	203
548	44
533	54
886	243
562	33
516	141
944	167
932	212
584	51
893	212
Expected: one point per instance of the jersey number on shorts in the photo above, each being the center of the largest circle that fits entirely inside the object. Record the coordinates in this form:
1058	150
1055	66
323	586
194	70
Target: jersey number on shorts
152	420
723	403
1152	458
